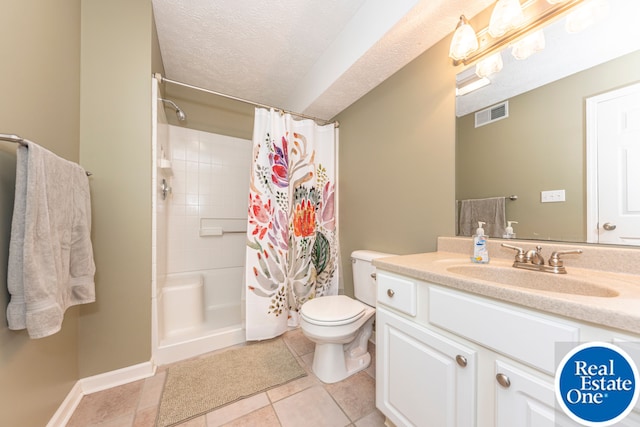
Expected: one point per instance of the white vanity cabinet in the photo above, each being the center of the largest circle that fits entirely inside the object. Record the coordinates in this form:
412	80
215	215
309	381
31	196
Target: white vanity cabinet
523	399
459	359
423	378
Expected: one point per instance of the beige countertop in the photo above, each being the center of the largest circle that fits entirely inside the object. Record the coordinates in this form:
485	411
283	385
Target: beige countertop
620	312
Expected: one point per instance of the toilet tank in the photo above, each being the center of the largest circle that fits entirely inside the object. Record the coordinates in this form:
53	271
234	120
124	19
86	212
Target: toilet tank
364	285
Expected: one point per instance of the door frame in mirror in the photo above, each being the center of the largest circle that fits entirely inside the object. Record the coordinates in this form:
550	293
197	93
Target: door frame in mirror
591	148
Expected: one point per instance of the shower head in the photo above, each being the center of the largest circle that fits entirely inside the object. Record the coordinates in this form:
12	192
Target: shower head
179	113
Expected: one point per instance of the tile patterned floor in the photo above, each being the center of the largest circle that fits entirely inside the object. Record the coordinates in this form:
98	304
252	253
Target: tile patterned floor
304	402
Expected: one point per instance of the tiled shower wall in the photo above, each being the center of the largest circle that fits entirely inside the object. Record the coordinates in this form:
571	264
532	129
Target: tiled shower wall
210	181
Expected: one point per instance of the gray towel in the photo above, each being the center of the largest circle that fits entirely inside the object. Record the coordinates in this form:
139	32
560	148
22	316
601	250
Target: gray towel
51	263
490	211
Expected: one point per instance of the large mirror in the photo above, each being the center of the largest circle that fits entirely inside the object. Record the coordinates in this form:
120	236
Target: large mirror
541	143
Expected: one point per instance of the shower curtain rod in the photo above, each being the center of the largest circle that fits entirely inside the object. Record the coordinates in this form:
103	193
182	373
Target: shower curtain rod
161	79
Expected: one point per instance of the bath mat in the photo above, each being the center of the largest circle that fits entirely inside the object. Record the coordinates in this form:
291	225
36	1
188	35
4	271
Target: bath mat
201	385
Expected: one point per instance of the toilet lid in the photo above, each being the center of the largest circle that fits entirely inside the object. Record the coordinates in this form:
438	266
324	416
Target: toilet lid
333	309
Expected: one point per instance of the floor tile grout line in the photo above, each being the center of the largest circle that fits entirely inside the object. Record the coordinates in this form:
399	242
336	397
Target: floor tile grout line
276	414
339	406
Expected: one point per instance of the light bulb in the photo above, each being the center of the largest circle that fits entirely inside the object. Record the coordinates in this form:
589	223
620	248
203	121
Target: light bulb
464	40
586	15
506	15
529	45
490	65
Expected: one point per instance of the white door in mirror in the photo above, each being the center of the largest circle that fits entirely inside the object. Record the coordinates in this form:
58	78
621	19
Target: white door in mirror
617	120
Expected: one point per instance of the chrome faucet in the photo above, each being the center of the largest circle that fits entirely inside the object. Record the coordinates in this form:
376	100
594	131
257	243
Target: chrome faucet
533	259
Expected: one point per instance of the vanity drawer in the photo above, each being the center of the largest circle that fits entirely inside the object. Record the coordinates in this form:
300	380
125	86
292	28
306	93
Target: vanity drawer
523	335
397	292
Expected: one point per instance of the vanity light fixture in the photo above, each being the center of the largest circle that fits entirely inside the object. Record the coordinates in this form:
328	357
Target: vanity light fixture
586	15
510	22
527	46
506	15
464	40
489	65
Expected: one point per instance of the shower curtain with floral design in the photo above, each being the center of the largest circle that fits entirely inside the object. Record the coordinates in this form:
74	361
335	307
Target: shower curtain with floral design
292	253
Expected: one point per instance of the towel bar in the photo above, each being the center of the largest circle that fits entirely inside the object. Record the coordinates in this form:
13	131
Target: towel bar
19	140
511	197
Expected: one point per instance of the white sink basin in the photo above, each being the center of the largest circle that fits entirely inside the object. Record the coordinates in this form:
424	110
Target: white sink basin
562	283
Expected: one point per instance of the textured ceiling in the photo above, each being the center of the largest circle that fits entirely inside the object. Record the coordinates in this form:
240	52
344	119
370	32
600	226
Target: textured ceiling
308	56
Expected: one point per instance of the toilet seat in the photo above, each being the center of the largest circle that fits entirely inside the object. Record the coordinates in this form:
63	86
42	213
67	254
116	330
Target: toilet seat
333	310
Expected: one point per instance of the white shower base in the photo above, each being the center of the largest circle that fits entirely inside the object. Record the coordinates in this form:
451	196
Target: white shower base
182	304
223	327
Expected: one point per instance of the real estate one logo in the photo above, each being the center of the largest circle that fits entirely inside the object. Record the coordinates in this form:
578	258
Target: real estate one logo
597	384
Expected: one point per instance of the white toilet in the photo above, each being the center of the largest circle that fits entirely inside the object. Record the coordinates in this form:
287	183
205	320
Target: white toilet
341	326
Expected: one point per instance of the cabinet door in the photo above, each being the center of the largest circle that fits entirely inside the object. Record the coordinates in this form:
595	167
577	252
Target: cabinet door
525	400
423	378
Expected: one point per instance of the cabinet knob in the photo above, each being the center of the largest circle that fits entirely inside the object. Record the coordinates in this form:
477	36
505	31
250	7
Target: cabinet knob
390	293
461	360
503	380
373	276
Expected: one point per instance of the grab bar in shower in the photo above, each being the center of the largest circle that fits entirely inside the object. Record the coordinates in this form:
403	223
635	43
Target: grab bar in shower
220	226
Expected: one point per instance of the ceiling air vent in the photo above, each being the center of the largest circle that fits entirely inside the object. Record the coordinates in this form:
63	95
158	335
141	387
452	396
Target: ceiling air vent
492	114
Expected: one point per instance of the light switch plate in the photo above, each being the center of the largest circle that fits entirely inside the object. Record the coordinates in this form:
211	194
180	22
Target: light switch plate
552	196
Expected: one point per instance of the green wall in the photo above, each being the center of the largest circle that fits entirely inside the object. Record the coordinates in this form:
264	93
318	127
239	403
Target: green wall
209	113
396	171
115	135
39	83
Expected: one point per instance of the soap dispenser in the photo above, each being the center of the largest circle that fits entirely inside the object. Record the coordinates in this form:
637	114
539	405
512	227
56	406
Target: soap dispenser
508	232
480	251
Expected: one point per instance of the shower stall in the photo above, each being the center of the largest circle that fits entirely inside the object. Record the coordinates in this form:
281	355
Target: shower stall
200	193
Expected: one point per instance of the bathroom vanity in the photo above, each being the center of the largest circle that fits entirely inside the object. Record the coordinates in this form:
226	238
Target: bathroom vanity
460	344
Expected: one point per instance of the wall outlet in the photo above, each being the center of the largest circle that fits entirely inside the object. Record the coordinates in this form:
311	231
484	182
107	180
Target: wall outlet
552	196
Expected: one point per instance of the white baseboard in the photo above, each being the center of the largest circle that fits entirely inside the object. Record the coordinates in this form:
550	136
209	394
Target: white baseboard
118	377
65	410
98	383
